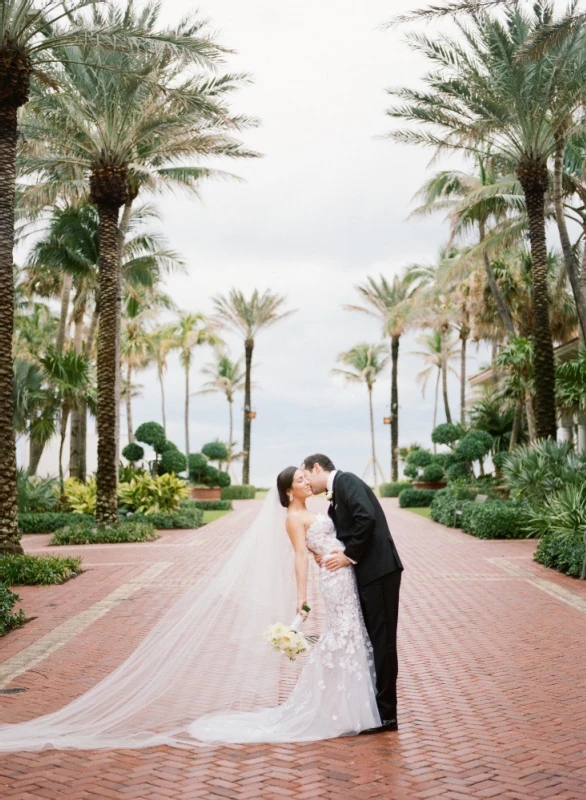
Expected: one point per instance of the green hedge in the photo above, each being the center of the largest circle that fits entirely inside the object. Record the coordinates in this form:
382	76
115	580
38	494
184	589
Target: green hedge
393	489
86	533
208	505
494	520
8	619
243	492
565	554
17	569
182	519
49	521
446	508
416	498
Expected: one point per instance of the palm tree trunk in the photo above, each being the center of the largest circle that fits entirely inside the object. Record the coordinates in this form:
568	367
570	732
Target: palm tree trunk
572	268
162	385
464	332
65	299
445	378
108	367
91	334
395	408
129	405
83	413
35	453
494	287
248	349
9	536
187	409
530	414
533	178
516	426
436	403
373	453
75	438
63	432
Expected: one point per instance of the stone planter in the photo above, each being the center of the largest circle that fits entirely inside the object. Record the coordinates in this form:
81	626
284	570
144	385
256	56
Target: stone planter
206	493
429	484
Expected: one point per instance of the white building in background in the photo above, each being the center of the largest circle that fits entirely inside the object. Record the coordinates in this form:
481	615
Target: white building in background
571	421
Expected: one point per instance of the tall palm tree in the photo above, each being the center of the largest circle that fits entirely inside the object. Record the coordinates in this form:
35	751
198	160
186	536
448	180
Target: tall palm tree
437	354
516	360
160	342
387	301
225	377
134	354
483	92
93	131
248	317
192	330
363	364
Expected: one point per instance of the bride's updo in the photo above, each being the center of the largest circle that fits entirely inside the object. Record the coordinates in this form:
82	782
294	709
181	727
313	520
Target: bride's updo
284	483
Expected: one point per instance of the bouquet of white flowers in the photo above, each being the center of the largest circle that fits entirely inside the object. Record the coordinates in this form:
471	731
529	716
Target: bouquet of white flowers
287	639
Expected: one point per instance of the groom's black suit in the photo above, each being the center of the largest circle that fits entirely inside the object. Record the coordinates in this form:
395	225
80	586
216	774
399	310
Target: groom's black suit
362	527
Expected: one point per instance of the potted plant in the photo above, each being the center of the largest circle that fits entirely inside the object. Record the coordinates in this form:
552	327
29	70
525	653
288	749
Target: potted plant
207	481
426	469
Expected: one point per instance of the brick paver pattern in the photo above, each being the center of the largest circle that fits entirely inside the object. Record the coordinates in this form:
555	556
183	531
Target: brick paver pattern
492	685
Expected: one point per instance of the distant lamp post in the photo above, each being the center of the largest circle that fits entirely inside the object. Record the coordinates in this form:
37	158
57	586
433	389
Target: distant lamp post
252	415
387	420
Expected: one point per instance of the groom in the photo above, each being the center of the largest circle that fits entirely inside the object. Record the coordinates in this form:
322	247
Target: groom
362	527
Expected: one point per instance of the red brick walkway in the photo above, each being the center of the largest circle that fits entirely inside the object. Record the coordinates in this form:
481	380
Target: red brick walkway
492	685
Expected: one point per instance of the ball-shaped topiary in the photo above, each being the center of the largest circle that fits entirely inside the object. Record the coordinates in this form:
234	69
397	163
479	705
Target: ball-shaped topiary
499	459
153	434
197	466
212	476
215	451
133	452
411	471
172	461
447	433
457	469
419	458
440	458
474	446
433	473
224	479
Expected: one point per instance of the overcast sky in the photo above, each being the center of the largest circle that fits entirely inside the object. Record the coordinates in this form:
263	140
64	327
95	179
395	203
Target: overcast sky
325	208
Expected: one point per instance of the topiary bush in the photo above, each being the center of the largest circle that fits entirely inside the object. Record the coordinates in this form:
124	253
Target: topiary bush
419	461
215	451
208	505
563	554
393	489
197	467
17	569
420	458
447	433
131	530
8	619
474	446
133	452
239	492
172	461
446	508
494	520
416	498
185	518
153	434
50	521
433	473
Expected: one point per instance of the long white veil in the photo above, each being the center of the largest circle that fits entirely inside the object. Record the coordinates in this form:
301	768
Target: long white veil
211	637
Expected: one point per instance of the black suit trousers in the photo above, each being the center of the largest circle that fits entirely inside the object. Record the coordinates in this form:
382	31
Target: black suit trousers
380	607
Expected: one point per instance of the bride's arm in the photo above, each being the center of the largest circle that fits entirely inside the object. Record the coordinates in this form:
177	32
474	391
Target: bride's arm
296	531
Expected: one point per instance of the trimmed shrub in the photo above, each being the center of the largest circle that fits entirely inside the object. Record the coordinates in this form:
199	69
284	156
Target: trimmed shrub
420	458
433	473
393	489
153	434
215	451
416	498
8	619
457	470
208	505
411	471
446	508
184	518
238	492
564	554
475	446
447	433
133	452
494	520
49	521
131	530
17	569
172	461
197	467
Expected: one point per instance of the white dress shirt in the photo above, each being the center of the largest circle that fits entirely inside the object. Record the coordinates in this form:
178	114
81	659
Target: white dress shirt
330	488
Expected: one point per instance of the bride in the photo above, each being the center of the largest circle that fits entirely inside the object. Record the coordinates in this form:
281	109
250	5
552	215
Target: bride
205	673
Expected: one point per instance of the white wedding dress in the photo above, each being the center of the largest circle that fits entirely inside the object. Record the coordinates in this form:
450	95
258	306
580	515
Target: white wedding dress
335	694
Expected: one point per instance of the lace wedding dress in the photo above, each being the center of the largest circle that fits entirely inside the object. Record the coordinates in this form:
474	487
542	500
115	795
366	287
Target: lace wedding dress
335	693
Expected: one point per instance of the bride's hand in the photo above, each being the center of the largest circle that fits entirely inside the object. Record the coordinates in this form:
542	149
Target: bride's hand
300	608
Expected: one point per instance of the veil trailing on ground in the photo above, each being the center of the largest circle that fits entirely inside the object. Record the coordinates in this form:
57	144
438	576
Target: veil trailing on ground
207	653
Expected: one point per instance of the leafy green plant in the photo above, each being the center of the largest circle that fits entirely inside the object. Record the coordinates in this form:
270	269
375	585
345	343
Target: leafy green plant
494	520
153	434
474	446
564	554
197	467
36	494
17	569
80	497
139	530
133	452
421	462
146	495
8	619
433	473
239	492
447	433
208	505
172	460
535	472
562	514
126	472
446	508
185	518
49	521
215	451
393	489
416	498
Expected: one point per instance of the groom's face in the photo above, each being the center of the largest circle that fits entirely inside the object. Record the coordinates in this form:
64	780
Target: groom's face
318	479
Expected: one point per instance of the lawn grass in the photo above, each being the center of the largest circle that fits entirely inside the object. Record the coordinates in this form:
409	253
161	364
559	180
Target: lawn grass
261	495
423	512
212	516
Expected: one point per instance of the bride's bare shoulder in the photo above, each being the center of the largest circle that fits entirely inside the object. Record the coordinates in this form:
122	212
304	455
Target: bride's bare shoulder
299	519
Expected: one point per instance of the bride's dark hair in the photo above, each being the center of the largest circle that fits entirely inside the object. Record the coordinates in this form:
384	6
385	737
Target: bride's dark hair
284	483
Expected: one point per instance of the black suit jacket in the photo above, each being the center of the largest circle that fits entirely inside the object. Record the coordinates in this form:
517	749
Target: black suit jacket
362	527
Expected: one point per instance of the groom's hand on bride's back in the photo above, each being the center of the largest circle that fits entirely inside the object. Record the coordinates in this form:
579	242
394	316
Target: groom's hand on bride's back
337	561
318	559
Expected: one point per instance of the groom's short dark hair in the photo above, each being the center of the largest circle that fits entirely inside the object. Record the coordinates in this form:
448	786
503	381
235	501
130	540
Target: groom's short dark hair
318	458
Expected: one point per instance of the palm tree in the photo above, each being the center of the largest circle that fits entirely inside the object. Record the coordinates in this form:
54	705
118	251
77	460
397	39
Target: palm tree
134	354
363	364
191	331
438	351
388	301
160	342
95	129
483	93
226	377
248	317
516	359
